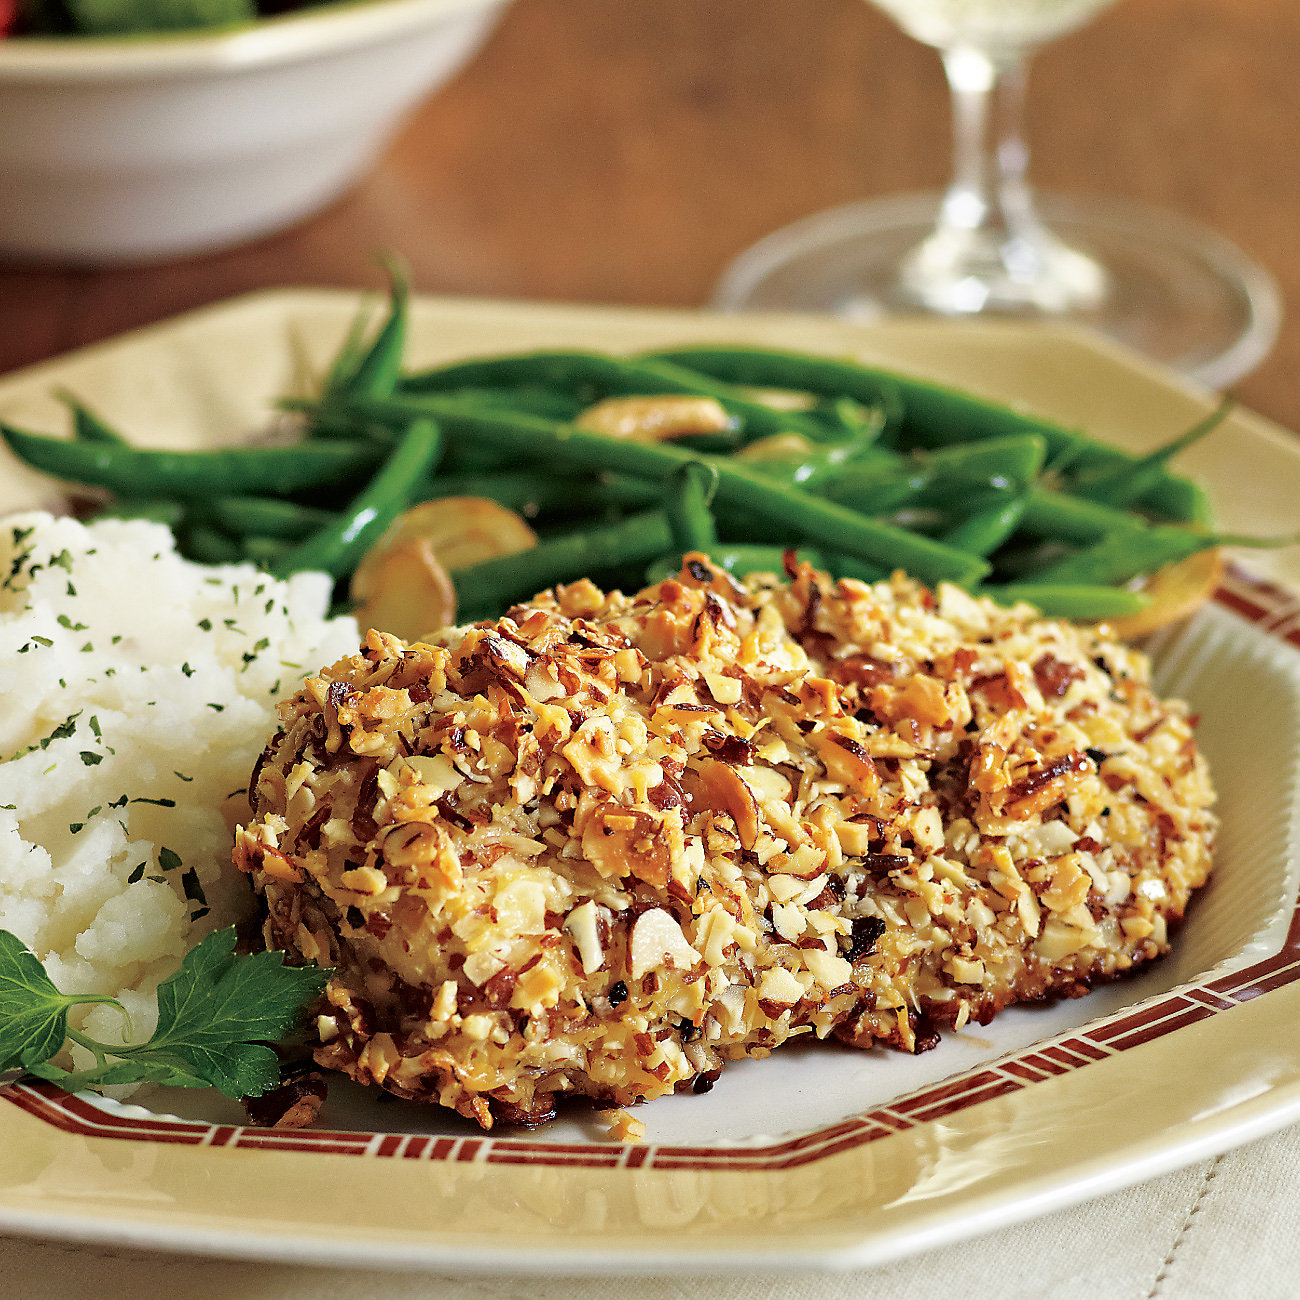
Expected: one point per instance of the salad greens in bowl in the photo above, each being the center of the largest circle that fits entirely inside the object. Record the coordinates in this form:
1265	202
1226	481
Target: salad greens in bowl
135	17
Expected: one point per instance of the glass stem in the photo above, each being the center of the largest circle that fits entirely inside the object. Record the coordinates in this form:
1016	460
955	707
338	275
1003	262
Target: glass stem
989	251
988	191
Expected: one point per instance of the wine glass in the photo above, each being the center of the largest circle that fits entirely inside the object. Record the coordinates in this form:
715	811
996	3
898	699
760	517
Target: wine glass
988	246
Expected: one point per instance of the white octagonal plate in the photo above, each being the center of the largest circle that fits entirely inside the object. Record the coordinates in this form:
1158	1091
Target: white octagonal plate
820	1156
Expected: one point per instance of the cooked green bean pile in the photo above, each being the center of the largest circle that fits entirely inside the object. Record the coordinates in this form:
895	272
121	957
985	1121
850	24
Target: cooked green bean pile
883	471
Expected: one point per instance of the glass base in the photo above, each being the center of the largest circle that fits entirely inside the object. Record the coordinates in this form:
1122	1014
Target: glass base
1168	288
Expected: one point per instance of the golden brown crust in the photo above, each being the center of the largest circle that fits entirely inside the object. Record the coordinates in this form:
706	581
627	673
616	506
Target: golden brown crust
609	843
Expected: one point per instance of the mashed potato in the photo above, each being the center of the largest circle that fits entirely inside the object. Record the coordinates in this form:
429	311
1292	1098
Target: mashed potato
137	690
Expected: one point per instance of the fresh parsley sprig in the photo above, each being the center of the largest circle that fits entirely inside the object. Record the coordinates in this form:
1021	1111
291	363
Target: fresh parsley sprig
216	1016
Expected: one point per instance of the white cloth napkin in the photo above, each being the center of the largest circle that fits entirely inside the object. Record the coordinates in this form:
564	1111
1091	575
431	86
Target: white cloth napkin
1217	1230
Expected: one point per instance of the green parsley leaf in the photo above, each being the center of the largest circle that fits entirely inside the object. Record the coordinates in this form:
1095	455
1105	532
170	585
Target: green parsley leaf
218	1011
33	1012
193	887
216	1017
122	1072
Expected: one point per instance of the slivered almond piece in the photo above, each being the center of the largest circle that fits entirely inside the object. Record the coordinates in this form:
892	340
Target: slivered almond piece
720	787
657	940
1175	591
624	1127
779	986
827	969
776	446
655	419
462	530
403	589
402	583
582	927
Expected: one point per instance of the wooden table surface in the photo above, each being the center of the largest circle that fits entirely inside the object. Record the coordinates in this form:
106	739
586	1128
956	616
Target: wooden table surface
625	150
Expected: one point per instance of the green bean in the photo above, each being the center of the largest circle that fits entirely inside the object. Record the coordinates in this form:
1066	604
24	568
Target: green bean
624	491
470	458
1170	497
595	376
736	525
526	492
723	440
225	471
1077	519
687	506
266	552
998	462
955	498
662	567
738	560
1017	459
545	402
1021	558
878	490
350	352
1182	500
533	492
982	532
496	583
1121	556
86	425
738	484
1125	484
263	517
1093	459
1072	519
933	414
157	511
209	545
742	559
848	566
1078	601
820	463
339	544
860	424
376	372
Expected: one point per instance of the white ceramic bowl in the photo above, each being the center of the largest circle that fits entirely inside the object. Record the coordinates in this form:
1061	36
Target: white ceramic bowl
123	149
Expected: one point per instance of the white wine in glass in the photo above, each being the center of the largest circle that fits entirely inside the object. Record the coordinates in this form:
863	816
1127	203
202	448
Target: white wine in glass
989	246
989	23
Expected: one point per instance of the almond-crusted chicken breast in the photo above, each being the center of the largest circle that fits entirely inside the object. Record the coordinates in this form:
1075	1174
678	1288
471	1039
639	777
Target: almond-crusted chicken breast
609	843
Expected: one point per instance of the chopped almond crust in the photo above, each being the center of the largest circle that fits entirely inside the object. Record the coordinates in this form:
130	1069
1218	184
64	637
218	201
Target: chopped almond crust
609	843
